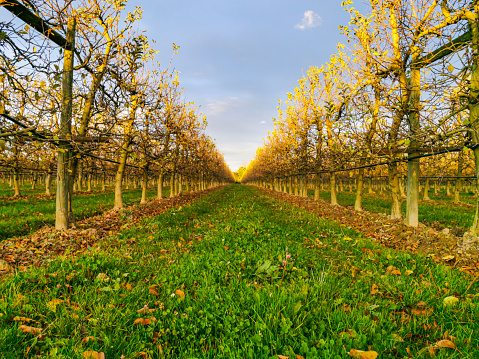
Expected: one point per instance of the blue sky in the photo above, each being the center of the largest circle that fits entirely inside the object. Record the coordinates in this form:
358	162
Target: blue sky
238	57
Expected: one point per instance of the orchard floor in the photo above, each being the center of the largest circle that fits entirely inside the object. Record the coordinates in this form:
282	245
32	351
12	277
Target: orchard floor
239	274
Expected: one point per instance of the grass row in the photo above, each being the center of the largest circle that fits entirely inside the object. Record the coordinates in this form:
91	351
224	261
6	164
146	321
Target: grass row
440	211
238	275
28	214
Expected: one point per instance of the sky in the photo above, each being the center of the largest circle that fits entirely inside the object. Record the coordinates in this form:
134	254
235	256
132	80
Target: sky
238	57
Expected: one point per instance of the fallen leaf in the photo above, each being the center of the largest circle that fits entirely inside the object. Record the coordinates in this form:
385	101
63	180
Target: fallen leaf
180	293
393	270
145	321
397	338
282	356
359	354
88	339
127	286
450	301
144	310
374	289
30	330
445	343
448	258
422	312
4	265
22	319
93	355
52	305
152	290
142	355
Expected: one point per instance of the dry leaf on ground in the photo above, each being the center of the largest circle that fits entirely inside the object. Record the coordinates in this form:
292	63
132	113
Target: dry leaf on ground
152	290
30	330
93	355
359	354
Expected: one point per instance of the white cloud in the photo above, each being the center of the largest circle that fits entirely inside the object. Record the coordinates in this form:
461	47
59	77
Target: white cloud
310	20
217	106
262	123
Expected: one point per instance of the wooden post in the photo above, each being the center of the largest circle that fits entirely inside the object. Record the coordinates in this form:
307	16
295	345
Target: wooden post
64	150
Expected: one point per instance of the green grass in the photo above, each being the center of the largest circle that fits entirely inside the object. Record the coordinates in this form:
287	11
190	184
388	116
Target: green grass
442	213
236	302
25	189
27	214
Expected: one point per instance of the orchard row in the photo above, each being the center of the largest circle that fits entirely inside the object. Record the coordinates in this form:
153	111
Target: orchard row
81	94
400	98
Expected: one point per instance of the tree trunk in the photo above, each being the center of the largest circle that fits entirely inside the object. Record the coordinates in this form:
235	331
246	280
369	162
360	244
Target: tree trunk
34	180
332	185
119	180
426	190
144	185
48	183
412	203
395	191
16	180
64	148
103	182
359	190
89	182
160	186
180	184
172	185
317	184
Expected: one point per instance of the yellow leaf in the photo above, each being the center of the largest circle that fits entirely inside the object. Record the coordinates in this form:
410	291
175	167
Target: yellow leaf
180	293
450	68
282	356
93	355
445	343
393	270
52	305
22	319
450	301
359	354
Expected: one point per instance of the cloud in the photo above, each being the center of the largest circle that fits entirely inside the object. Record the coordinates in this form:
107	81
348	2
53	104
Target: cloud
262	123
310	20
217	107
